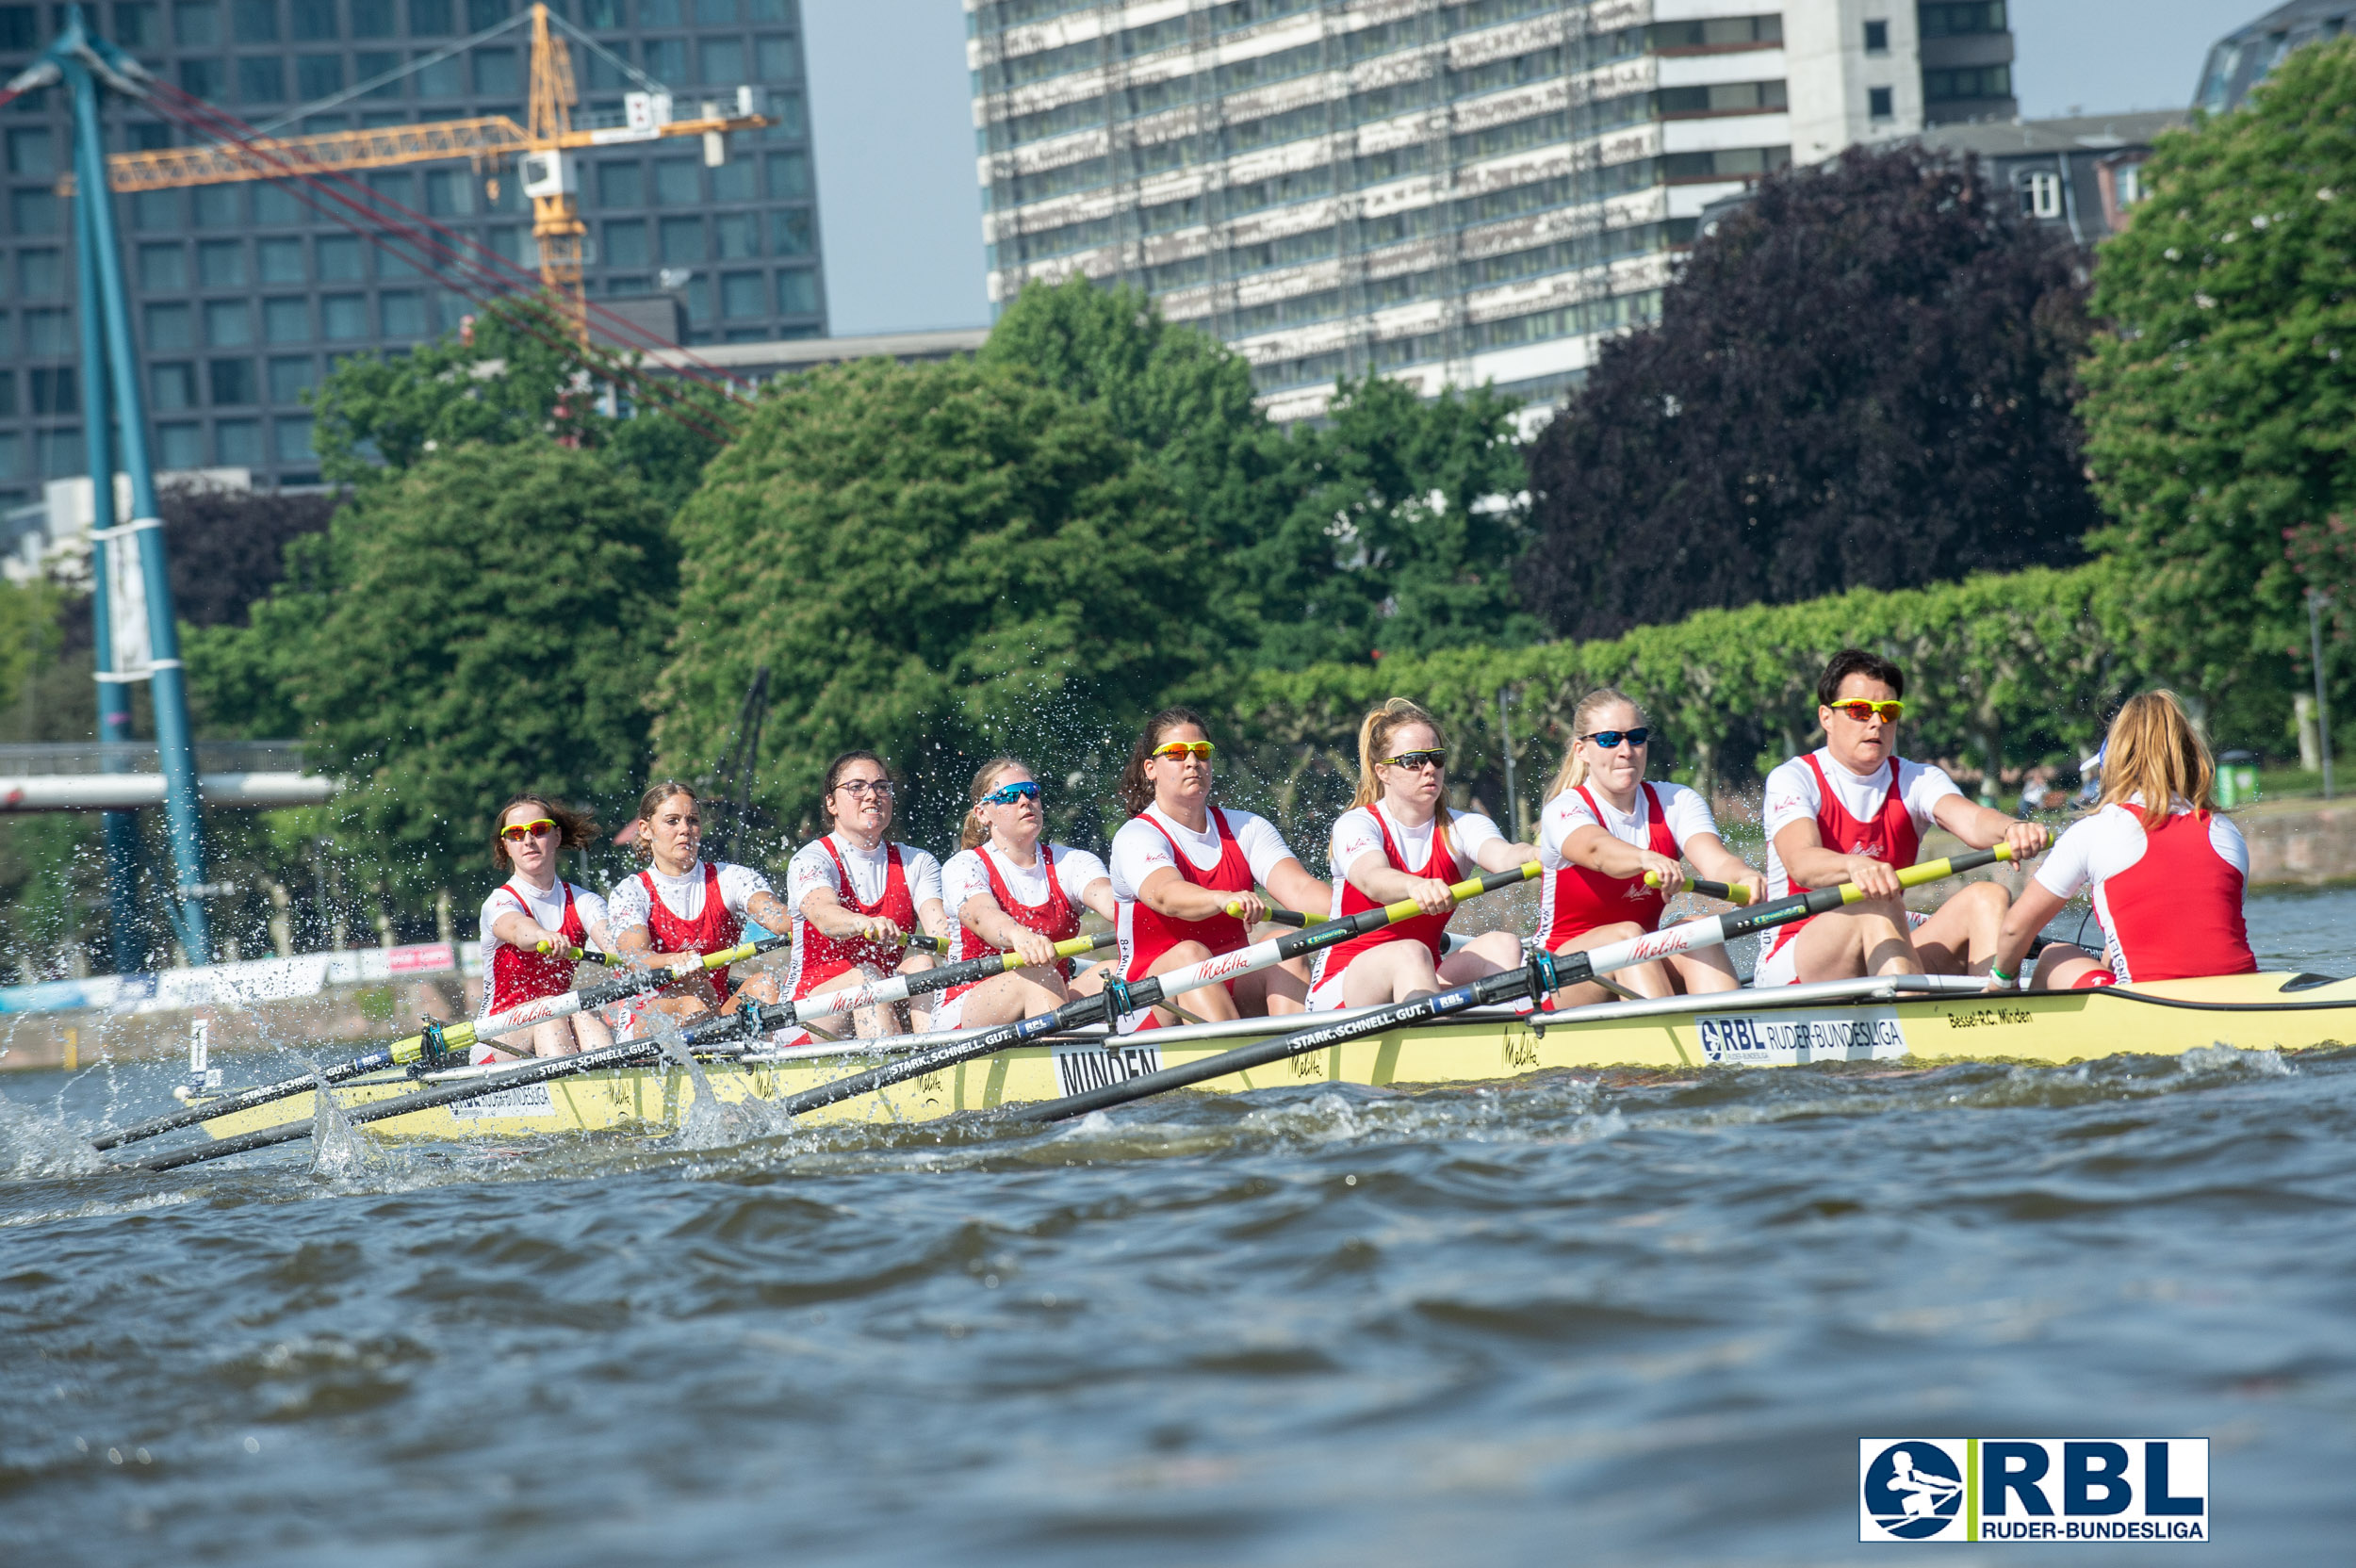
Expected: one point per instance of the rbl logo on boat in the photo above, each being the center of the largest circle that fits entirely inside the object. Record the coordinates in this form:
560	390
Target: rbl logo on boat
2032	1488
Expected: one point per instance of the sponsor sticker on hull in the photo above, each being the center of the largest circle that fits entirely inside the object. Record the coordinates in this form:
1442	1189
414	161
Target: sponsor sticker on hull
1084	1066
1779	1038
2040	1489
523	1099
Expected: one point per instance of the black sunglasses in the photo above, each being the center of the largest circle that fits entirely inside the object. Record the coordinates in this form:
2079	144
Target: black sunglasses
1609	739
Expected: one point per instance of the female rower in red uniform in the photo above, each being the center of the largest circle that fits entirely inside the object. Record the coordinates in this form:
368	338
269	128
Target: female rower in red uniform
1603	829
1399	840
1014	892
857	896
533	908
685	907
1179	861
2167	878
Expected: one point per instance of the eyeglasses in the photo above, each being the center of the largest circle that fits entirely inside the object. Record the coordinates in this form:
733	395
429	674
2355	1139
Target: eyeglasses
1178	751
1609	739
542	827
1415	760
1860	710
1007	794
859	787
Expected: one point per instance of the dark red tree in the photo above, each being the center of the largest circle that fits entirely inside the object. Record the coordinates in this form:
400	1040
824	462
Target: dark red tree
228	548
1861	379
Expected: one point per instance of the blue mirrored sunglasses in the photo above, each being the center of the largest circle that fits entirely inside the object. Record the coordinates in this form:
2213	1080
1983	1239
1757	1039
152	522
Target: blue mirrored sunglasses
1609	739
1007	794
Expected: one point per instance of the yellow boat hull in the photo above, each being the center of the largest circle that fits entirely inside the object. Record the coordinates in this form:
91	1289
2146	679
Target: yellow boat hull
1855	1020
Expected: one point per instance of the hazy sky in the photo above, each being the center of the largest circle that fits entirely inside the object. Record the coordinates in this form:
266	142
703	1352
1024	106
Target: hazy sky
894	123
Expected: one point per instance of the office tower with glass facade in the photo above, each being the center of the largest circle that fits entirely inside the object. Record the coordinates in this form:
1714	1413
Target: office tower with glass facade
1449	191
242	296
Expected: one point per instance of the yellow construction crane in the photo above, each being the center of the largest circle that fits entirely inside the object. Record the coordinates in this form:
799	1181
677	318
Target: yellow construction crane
544	152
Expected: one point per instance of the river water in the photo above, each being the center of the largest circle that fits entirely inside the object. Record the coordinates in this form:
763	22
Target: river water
1567	1319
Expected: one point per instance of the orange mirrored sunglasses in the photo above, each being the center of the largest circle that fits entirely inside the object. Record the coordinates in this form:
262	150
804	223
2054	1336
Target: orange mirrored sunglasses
518	832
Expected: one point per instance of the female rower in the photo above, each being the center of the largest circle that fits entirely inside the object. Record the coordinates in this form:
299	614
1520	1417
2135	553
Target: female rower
857	896
1604	829
1014	892
1180	863
684	907
533	911
1400	840
2167	878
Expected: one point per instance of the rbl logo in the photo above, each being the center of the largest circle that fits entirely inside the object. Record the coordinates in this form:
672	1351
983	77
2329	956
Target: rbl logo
2006	1489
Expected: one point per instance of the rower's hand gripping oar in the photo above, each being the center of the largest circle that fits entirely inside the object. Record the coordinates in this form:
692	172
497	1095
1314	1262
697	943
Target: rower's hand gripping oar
436	1045
1541	974
1725	892
899	988
1119	997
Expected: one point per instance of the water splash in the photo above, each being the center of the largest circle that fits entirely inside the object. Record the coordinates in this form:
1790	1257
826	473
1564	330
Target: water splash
340	1150
710	1122
33	1145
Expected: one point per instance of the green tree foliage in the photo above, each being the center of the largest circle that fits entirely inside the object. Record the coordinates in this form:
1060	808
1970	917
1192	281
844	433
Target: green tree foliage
516	376
1388	527
931	560
2221	403
487	619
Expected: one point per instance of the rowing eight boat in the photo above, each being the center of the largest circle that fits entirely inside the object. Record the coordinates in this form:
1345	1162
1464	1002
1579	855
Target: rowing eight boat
1921	1019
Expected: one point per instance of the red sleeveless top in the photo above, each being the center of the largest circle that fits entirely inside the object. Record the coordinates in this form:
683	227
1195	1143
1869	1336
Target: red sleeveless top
1890	838
1153	934
712	931
1579	899
2176	914
1057	919
819	958
517	976
1431	930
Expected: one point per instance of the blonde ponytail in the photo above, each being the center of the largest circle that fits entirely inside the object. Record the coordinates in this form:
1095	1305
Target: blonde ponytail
972	833
1573	773
2154	751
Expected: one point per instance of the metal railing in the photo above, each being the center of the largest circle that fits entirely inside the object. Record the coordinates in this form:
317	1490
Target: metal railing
52	758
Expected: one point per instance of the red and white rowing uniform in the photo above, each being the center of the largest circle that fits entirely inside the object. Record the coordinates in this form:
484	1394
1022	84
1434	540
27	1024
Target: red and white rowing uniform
1574	900
703	910
1447	857
1235	850
1051	905
893	880
2170	898
512	976
1882	814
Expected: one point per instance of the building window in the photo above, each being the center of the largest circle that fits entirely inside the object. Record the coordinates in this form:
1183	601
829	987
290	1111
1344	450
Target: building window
139	25
39	274
228	325
682	240
744	295
231	381
427	17
738	234
180	447
294	441
274	206
291	378
1879	104
154	211
676	184
2041	196
496	73
1959	18
317	75
404	313
788	176
196	24
255	20
314	20
34	211
372	19
780	58
163	268
55	390
282	261
723	61
173	386
1982	81
220	263
286	321
621	185
449	193
216	206
344	316
237	443
626	244
171	327
441	79
2130	184
61	455
798	293
339	259
33	153
261	79
1877	37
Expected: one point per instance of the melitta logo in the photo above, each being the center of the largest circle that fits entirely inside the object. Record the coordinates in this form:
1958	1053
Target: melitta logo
2033	1489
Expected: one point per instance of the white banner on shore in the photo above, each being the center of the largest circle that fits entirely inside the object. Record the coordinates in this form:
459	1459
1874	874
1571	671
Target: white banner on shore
247	983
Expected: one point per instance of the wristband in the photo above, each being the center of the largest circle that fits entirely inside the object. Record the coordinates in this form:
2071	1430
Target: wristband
2000	977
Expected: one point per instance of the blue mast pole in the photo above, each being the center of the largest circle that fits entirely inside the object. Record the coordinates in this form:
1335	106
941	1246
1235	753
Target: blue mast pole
114	696
75	52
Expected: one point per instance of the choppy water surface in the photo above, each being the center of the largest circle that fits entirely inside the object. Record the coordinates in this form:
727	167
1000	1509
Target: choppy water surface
1569	1319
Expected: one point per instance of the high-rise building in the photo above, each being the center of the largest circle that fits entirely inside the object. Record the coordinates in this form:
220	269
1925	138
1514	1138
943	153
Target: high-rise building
2243	58
1449	191
242	296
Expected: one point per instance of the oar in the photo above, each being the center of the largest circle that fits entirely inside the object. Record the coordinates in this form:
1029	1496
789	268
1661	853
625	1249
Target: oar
436	1044
752	1020
584	955
1725	892
1119	997
1543	973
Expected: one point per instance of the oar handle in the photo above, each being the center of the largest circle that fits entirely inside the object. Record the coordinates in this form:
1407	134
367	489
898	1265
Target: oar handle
581	954
918	942
1272	916
1725	892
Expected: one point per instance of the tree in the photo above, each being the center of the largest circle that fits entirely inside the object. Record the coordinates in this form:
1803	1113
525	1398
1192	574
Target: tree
515	375
228	548
487	619
2220	402
931	560
1861	379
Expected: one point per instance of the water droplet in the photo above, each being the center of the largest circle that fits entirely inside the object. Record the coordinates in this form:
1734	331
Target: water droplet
143	1457
114	1456
989	1281
1350	1181
253	1445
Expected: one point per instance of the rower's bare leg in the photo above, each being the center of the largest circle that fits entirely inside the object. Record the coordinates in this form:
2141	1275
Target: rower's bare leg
1857	939
1273	992
1961	936
759	987
1699	974
2063	965
1018	993
589	1033
1211	1003
1399	971
1091	981
867	1022
1643	979
1491	952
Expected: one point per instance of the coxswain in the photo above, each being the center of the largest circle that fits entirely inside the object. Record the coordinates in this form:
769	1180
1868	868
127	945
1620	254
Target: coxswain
1604	831
1400	840
1854	810
1014	892
680	906
1179	865
2168	880
532	923
857	896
